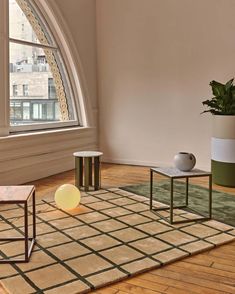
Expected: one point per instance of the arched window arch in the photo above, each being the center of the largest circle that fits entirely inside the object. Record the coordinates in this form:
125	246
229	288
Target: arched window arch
41	94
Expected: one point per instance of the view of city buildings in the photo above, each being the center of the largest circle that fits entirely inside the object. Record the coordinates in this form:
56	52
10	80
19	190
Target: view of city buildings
32	91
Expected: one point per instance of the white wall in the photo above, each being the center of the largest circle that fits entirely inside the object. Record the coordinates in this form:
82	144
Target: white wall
155	61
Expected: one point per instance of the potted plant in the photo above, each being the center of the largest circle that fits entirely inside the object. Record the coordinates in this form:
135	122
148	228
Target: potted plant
222	107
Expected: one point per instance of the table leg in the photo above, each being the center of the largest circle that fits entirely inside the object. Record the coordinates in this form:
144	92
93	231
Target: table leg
26	233
186	192
78	172
210	196
172	201
90	171
97	172
87	172
34	215
151	189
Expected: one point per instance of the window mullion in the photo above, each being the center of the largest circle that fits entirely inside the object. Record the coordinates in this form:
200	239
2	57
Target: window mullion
4	68
39	45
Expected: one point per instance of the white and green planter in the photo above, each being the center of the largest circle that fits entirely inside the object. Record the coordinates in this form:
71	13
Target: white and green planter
223	150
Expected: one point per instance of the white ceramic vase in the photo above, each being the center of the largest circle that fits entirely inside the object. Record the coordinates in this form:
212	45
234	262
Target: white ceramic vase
184	161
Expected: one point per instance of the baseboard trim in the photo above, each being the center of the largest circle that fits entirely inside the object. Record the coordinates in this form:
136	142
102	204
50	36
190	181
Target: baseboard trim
145	163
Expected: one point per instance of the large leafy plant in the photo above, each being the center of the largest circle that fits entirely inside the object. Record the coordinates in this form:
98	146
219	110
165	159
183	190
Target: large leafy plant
223	102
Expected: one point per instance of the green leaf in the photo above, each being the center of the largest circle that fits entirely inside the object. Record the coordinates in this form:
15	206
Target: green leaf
229	84
217	88
223	101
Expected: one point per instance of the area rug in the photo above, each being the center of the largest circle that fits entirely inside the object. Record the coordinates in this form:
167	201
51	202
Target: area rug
112	235
223	205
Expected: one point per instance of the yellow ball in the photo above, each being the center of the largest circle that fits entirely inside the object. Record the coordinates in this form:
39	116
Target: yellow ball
67	197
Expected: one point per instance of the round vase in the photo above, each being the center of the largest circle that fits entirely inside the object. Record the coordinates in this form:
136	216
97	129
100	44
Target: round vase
184	161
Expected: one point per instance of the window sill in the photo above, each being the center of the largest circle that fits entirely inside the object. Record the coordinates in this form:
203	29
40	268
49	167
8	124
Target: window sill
45	132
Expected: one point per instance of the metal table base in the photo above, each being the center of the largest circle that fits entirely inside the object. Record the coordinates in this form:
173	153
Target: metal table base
26	238
171	207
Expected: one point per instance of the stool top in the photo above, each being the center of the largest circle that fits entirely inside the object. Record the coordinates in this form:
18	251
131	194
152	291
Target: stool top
14	194
87	154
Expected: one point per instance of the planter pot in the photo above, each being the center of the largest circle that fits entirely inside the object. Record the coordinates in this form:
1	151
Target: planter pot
223	150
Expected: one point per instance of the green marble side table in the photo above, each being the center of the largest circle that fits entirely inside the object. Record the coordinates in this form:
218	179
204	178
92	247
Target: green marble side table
83	169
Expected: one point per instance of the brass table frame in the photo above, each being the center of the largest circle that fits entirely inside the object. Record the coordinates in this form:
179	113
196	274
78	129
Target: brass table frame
26	238
171	207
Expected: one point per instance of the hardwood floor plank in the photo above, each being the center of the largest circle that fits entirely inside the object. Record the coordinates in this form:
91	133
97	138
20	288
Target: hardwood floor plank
204	269
220	253
205	276
110	291
173	290
105	291
133	287
179	284
232	245
208	260
136	282
193	277
226	268
226	250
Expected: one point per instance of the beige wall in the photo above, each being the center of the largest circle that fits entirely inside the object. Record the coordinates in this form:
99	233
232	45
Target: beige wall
156	59
80	19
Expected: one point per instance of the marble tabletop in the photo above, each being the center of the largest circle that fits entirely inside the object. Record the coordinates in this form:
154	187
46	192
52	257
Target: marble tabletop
87	154
173	172
13	194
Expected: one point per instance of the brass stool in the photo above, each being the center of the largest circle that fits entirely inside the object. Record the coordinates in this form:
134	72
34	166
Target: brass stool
87	157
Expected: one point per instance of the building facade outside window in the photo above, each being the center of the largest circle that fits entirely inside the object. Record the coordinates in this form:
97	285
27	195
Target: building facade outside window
51	89
40	90
25	90
15	90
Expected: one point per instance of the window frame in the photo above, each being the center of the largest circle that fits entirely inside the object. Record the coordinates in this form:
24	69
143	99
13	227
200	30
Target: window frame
4	68
78	103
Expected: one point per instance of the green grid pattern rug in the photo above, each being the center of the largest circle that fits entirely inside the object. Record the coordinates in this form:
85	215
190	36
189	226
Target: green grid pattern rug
111	236
223	204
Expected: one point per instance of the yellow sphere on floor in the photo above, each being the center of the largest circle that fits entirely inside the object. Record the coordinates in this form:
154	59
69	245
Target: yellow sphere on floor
67	197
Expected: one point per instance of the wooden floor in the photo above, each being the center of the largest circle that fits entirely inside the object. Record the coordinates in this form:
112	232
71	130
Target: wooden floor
212	272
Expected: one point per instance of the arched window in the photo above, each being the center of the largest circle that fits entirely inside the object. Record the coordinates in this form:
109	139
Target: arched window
40	92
